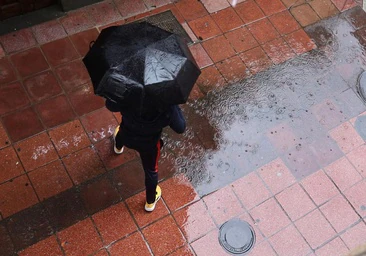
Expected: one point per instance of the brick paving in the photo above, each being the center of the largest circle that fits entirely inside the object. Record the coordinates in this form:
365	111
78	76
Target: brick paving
56	152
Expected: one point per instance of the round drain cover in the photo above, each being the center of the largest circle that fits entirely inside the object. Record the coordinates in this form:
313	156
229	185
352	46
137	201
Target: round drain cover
361	85
237	236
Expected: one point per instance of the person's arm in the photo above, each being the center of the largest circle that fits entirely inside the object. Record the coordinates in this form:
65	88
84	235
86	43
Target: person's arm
177	121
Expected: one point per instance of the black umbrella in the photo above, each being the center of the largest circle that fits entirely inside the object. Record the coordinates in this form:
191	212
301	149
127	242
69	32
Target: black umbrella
139	62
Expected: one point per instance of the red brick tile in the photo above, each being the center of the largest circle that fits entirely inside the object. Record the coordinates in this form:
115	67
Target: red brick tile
104	13
276	175
185	250
215	6
289	242
48	246
12	96
189	31
76	21
55	111
22	124
151	4
69	137
304	14
4	139
83	165
128	8
295	202
262	249
80	239
42	86
339	213
233	69
334	247
300	42
163	236
136	206
249	11
99	124
48	31
343	5
50	180
209	245
227	19
263	31
114	223
292	3
284	22
319	187
16	195
256	60
10	165
195	94
32	56
200	55
191	9
204	27
328	114
72	75
84	100
18	40
318	232
65	51
357	158
278	51
36	151
324	8
194	221
102	252
346	137
218	48
355	196
186	195
133	245
210	79
355	236
343	174
259	237
83	40
7	73
271	7
241	39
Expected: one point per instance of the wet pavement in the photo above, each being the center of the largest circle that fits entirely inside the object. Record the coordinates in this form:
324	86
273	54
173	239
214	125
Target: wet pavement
276	136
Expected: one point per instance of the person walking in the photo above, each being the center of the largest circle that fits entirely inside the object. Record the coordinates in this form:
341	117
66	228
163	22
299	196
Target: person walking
141	130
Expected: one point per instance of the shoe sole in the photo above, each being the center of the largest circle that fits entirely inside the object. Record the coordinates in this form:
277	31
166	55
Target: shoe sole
116	150
153	208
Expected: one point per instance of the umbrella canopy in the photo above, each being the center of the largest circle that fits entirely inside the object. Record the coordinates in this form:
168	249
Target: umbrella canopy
139	62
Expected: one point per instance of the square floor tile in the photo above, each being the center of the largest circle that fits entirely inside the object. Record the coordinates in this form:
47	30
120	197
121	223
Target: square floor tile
12	96
69	138
4	139
194	221
358	160
7	73
10	165
18	40
83	40
276	175
328	114
104	13
134	245
22	124
48	246
325	150
300	42
241	39
16	195
55	111
227	19
295	202
290	242
334	247
259	237
36	151
269	217
72	75
83	165
164	236
191	9
29	62
76	21
185	250
204	27
249	11
189	31
223	205
215	6
50	180
263	249
186	195
355	236
339	213
263	31
233	69
284	22
209	245
42	86
319	187
114	223
324	8
48	31
80	239
283	137
347	137
292	3
271	7
304	14
200	55
65	51
250	190
256	60
343	5
318	232
218	48
127	8
356	197
210	79
99	124
343	173
136	205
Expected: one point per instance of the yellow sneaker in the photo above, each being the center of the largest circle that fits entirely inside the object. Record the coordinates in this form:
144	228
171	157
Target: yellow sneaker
151	207
116	150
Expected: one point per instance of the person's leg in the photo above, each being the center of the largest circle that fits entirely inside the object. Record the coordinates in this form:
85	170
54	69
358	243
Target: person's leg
177	121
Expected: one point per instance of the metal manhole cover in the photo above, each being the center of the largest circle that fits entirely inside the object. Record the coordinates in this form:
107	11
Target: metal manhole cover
237	236
361	85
